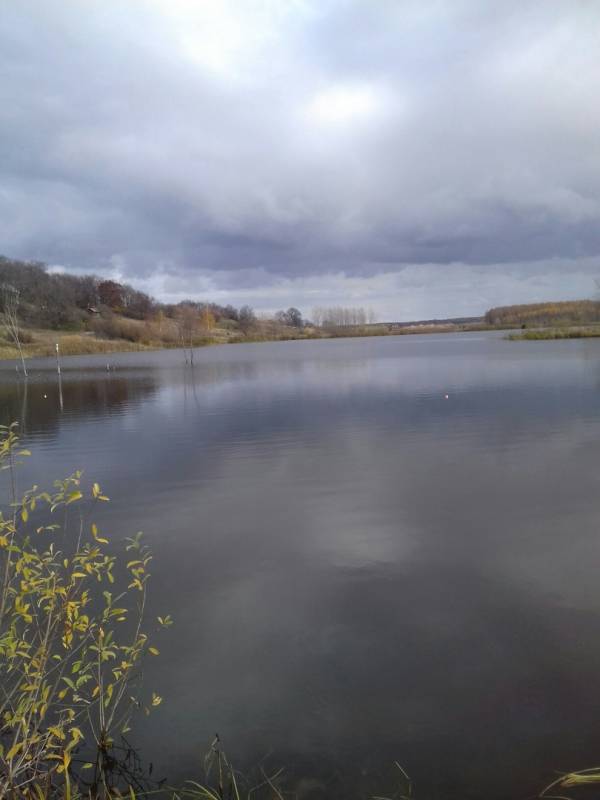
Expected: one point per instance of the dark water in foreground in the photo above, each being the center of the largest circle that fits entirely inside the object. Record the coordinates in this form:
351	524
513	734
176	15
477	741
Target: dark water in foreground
360	569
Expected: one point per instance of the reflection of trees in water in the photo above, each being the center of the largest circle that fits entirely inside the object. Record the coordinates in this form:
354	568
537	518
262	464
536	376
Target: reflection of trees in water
267	372
37	405
211	373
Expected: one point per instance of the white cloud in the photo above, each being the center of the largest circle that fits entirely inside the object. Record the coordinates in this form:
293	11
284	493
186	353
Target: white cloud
306	141
344	104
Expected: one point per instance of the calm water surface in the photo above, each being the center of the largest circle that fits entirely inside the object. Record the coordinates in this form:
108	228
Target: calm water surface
360	569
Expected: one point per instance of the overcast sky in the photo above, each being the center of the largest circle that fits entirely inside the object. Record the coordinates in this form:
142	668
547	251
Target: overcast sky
426	158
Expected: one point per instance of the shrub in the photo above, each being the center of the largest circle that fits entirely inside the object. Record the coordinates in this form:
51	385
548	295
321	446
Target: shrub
113	327
71	640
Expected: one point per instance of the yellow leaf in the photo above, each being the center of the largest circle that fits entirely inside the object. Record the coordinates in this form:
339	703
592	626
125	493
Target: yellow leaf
95	535
14	750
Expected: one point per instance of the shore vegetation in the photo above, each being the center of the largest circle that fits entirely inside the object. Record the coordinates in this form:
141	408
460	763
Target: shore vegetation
87	315
72	641
542	334
538	315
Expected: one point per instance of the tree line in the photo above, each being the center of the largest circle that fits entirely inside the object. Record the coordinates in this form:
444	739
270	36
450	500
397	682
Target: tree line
569	312
342	317
57	300
68	302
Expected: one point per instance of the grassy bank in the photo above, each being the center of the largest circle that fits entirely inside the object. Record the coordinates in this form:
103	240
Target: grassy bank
125	335
556	333
42	343
134	337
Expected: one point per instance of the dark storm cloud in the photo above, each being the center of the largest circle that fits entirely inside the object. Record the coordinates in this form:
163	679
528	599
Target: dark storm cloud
271	141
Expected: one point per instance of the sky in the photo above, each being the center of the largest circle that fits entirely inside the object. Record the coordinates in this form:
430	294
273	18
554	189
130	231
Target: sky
425	158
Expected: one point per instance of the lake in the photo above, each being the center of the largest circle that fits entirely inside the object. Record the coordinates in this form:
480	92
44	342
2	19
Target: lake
360	569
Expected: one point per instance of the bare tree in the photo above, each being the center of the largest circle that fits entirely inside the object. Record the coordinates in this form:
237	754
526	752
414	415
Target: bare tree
10	318
247	319
341	317
207	320
292	318
187	323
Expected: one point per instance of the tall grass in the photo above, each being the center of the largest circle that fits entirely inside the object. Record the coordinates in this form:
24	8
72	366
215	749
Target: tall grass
556	333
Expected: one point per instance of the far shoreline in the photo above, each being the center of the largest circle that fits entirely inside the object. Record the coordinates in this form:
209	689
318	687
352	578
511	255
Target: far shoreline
43	344
44	341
